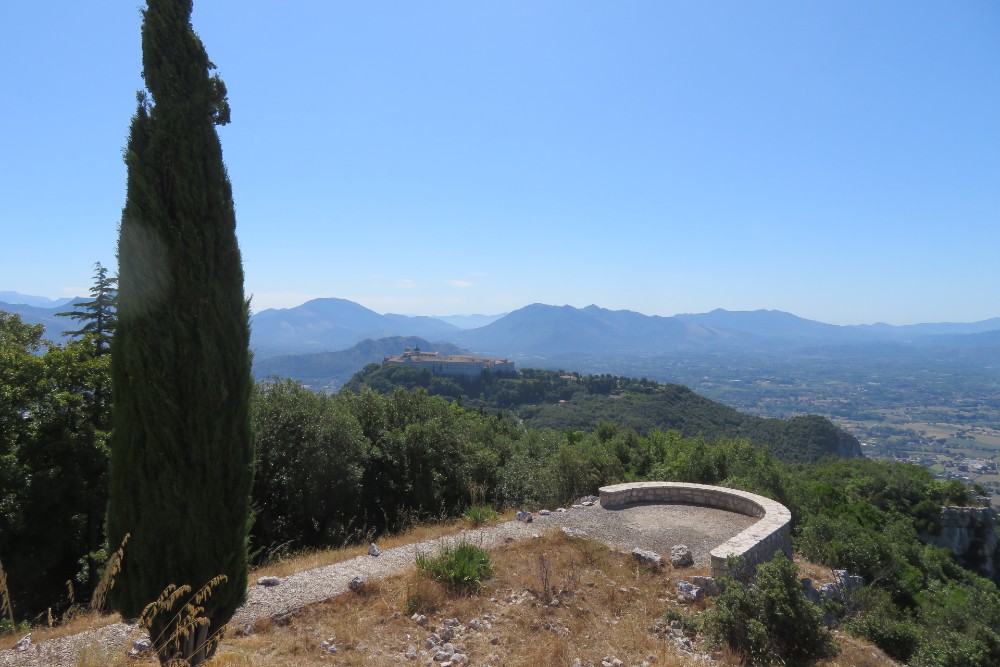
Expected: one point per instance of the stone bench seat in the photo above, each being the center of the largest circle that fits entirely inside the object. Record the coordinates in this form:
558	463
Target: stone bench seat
756	544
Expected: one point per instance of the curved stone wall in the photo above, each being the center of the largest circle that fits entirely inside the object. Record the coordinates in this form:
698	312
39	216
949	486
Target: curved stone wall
755	545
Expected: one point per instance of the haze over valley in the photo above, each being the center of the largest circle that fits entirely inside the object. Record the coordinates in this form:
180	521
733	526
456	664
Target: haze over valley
925	392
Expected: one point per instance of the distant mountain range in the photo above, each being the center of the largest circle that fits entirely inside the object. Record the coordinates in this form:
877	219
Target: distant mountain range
55	326
31	300
539	330
326	325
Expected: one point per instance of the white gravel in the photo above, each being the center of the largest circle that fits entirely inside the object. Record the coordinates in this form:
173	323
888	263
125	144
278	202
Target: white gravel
649	526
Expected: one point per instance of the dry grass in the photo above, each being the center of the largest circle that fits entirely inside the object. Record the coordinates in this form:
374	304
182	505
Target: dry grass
80	618
606	605
74	622
312	559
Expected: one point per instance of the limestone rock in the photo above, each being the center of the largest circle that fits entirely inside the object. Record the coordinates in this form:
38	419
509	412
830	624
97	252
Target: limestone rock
688	592
970	534
574	532
268	581
680	556
709	584
645	557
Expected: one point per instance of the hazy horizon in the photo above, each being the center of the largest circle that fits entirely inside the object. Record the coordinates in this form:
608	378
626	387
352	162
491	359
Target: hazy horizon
501	314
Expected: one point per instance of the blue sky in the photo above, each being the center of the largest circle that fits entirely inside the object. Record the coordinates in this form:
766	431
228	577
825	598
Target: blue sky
837	160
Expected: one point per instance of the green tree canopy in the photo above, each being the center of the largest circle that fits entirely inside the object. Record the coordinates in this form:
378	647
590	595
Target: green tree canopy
99	315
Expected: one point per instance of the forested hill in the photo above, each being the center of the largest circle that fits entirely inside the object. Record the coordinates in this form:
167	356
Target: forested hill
550	399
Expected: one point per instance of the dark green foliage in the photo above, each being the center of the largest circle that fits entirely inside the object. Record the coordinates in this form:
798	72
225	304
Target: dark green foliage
53	464
99	315
310	451
771	622
182	460
556	400
462	568
884	624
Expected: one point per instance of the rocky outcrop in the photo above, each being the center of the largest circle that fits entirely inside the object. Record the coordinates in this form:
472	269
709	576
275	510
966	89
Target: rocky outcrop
970	533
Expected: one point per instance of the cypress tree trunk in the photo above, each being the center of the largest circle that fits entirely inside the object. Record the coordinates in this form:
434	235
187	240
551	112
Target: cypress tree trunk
182	459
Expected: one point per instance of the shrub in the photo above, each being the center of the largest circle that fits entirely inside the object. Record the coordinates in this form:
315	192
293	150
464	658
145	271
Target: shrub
480	514
691	624
881	623
771	622
461	568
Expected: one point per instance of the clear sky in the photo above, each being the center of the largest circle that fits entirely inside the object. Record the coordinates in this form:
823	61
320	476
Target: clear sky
837	160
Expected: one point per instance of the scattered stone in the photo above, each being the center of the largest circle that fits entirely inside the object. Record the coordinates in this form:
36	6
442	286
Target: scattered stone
688	592
269	581
419	619
587	499
544	512
523	516
373	550
451	622
645	557
444	653
574	532
140	647
847	580
475	624
554	602
810	591
357	584
411	652
327	647
433	641
459	659
560	509
577	506
680	556
536	536
711	586
448	634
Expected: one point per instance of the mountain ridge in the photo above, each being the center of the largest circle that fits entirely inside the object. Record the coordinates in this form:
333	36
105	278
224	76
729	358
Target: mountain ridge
333	324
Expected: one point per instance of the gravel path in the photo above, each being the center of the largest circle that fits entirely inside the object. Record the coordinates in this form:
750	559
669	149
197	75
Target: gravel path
648	526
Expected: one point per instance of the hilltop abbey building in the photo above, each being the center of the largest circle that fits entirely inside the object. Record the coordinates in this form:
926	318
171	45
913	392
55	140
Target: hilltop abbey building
462	366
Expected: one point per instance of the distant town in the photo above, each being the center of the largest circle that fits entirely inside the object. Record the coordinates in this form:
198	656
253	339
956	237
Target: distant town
462	366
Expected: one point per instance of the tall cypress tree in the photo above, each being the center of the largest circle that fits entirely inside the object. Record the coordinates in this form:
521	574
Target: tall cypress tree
182	459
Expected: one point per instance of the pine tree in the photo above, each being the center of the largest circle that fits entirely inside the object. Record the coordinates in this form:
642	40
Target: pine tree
182	459
99	314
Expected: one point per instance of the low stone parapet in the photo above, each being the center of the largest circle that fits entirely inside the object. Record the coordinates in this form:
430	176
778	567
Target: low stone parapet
755	545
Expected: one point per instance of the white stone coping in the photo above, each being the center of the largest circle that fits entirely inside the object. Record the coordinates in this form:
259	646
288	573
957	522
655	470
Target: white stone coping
755	545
